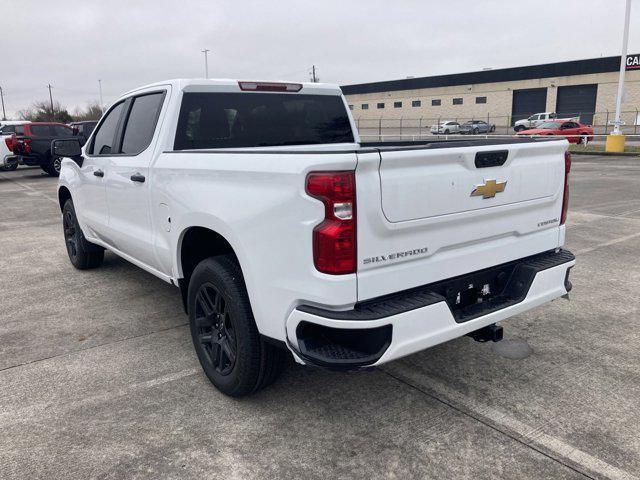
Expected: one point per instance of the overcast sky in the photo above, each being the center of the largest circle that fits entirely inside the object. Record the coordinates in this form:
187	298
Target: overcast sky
72	44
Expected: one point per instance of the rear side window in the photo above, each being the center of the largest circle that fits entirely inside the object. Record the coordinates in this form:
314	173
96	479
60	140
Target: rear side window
39	130
8	129
141	123
242	120
103	141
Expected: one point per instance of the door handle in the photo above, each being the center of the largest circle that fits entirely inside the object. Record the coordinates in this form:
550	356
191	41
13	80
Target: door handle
98	173
136	177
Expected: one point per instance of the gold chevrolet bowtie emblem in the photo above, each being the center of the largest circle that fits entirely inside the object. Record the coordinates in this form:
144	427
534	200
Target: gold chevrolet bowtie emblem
489	189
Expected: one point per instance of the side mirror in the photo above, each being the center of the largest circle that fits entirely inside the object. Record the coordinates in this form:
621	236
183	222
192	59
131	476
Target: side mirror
69	148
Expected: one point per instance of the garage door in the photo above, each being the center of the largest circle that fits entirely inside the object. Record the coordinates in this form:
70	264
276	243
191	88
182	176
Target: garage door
577	101
528	101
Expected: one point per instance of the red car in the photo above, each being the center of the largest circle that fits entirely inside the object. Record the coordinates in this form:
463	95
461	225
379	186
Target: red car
574	131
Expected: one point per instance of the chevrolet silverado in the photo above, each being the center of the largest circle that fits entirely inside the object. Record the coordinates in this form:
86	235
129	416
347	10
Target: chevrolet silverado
288	236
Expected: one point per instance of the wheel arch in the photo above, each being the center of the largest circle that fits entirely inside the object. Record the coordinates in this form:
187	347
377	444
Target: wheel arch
64	194
194	245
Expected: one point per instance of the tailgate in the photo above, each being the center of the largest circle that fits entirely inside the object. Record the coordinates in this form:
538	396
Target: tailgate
441	211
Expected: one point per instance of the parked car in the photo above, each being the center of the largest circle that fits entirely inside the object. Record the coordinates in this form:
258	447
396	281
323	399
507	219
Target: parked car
8	132
34	146
538	119
445	127
83	129
244	194
476	126
574	131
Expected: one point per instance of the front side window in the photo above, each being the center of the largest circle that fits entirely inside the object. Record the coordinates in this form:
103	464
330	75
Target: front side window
8	129
244	120
61	131
103	141
141	123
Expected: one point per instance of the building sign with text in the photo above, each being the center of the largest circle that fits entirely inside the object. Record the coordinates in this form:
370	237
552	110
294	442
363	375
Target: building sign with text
633	62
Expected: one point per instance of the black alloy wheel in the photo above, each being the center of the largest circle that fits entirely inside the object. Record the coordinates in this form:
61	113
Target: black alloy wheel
215	330
70	233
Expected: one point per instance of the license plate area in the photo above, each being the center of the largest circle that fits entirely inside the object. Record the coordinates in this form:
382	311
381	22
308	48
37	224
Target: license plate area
479	293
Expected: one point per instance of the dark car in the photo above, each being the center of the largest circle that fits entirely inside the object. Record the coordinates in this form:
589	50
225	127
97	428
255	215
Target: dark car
83	129
34	146
477	126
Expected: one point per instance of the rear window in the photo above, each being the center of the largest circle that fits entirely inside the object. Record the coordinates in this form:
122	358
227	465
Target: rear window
241	120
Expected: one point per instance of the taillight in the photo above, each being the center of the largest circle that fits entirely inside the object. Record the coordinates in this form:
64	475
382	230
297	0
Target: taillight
10	141
334	240
565	198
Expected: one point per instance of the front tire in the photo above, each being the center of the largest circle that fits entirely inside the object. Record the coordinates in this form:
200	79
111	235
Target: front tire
231	352
53	166
82	253
519	128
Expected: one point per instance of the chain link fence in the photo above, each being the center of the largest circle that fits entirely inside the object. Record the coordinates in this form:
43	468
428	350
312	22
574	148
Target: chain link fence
406	127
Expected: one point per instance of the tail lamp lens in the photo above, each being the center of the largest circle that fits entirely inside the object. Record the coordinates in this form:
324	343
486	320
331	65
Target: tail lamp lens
10	141
565	198
334	240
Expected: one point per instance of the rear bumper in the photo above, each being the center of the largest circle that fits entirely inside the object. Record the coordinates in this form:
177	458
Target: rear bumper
32	160
387	328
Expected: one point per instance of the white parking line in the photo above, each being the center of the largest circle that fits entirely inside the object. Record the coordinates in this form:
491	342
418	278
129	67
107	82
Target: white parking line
30	188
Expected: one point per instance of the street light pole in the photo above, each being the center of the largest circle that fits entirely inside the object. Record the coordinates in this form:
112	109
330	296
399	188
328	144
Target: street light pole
623	64
101	102
206	62
51	100
4	115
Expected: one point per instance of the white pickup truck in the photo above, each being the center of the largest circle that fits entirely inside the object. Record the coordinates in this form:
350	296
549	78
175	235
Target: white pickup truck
285	234
538	119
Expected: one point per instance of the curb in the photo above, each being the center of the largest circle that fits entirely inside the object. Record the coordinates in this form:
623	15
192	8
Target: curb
607	154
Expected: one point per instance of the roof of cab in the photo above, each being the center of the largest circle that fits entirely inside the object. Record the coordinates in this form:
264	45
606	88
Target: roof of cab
182	83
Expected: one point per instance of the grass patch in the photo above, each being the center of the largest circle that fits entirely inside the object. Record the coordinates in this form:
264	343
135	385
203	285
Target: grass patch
591	148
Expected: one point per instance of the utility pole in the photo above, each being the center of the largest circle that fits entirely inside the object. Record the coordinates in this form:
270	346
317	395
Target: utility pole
623	65
51	100
206	62
314	77
4	115
101	102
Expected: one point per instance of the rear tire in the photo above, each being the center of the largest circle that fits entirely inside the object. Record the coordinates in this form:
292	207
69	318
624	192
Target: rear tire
82	253
519	128
492	129
231	352
9	168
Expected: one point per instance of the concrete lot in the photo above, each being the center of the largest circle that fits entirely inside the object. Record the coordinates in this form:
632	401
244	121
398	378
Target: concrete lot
98	377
